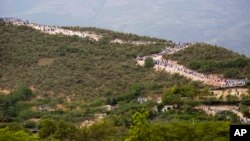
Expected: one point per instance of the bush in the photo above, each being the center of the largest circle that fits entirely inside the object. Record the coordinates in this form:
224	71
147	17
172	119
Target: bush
231	73
8	135
174	94
65	131
46	128
23	93
30	124
9	107
149	62
245	110
228	116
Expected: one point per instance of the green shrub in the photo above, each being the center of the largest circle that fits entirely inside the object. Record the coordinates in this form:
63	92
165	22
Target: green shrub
46	128
149	62
8	135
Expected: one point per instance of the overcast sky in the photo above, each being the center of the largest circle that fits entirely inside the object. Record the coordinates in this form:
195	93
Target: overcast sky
222	22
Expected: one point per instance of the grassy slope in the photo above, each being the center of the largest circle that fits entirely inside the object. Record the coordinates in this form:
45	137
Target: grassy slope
85	68
212	59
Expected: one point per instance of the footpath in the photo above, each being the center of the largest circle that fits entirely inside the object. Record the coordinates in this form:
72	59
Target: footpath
172	67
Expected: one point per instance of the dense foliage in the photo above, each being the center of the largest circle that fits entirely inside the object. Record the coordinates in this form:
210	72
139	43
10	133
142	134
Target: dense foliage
10	104
142	130
9	135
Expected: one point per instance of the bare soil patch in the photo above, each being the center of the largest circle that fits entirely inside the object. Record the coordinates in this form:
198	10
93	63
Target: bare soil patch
46	61
5	91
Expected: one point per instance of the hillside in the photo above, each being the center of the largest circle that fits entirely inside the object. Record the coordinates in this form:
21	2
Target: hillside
76	66
206	58
75	87
76	71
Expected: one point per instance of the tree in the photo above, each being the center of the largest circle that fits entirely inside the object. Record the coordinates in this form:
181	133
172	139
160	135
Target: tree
194	65
140	130
8	107
174	94
232	98
149	62
245	99
8	103
101	130
135	90
83	134
228	116
245	110
65	131
8	135
231	73
46	128
23	93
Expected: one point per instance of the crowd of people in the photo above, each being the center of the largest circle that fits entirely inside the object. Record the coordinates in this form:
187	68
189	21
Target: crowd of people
50	29
177	47
173	67
207	79
119	41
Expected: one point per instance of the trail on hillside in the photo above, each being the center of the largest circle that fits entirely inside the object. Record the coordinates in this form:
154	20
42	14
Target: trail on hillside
53	30
172	67
213	110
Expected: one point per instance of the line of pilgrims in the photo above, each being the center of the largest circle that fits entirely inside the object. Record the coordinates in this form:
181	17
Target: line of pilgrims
49	29
168	64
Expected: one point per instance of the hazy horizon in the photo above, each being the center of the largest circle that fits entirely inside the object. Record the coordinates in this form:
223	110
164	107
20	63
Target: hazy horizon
224	23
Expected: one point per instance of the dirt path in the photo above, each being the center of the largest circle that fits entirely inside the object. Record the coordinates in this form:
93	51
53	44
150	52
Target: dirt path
230	91
173	67
53	29
212	110
57	30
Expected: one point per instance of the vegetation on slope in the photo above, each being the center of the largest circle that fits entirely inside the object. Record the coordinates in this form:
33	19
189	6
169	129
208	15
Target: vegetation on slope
140	129
83	68
209	59
76	74
81	76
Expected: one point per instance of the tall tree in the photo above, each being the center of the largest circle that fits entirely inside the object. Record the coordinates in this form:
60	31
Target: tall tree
140	130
